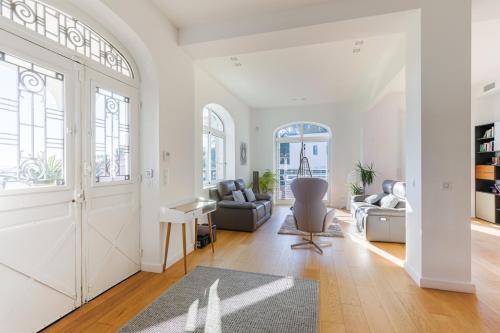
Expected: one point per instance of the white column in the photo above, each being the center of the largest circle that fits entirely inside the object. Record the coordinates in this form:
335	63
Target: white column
438	146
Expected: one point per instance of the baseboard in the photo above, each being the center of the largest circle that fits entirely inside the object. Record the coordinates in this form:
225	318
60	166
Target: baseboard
151	267
457	286
413	273
172	259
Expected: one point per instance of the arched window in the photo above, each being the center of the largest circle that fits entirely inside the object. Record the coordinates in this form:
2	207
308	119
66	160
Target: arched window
214	147
65	30
289	140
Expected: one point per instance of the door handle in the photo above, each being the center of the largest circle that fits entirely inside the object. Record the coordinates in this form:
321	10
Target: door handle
79	196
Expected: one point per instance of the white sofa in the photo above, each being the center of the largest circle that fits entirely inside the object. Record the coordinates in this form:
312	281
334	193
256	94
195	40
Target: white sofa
382	224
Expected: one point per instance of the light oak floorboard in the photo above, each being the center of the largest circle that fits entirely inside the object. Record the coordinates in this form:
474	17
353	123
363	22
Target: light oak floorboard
361	290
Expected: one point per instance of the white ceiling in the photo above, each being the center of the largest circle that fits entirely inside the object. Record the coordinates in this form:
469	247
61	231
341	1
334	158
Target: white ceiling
321	70
187	13
313	74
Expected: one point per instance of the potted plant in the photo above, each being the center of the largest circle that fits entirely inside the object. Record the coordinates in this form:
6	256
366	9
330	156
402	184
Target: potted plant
356	189
267	182
366	174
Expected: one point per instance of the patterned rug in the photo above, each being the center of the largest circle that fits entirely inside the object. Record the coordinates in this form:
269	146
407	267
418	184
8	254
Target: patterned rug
220	300
332	230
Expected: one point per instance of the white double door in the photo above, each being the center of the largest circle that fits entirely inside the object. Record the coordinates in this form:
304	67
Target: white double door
69	192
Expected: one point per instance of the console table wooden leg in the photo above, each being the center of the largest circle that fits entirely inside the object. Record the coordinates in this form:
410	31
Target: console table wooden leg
210	231
167	241
195	232
184	246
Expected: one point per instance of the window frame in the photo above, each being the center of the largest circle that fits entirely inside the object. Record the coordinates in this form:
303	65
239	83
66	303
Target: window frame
211	133
301	139
19	30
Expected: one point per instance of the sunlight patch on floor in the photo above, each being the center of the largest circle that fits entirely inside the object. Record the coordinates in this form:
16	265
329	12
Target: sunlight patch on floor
485	229
372	248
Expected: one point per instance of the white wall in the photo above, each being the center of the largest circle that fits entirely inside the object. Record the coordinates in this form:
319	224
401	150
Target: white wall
344	149
438	146
384	139
208	91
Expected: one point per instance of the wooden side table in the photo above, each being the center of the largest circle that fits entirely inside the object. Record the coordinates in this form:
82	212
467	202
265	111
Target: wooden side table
183	213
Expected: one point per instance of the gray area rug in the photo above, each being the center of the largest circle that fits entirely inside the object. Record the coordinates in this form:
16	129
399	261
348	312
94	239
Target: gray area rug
332	230
220	300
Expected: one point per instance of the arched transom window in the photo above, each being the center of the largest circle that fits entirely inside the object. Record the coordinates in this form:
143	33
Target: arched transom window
214	146
290	139
65	30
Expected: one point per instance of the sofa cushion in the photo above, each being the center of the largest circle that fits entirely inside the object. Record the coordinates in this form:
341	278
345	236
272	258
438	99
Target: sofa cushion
387	186
267	205
399	190
389	201
236	205
249	194
373	199
240	184
238	196
261	210
226	187
356	205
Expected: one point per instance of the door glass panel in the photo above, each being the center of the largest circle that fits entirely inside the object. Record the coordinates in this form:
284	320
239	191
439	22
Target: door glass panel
32	146
112	142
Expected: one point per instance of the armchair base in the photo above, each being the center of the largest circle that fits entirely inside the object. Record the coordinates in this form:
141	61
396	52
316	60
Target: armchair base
309	241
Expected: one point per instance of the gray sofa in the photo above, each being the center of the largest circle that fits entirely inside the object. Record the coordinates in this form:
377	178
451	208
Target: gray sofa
239	216
382	224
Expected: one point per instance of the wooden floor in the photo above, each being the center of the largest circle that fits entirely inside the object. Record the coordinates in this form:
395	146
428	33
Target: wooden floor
362	286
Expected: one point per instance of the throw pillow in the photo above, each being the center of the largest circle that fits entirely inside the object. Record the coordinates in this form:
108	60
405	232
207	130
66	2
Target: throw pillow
250	195
389	201
374	198
238	196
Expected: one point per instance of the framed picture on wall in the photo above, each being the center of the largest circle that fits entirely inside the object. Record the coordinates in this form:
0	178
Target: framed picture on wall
243	153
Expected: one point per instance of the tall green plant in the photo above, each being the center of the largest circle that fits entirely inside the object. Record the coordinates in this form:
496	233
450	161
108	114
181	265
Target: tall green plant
366	173
268	181
356	189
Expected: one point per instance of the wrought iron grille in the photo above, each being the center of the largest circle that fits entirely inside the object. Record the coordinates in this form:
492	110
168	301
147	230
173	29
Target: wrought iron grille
112	136
32	126
65	30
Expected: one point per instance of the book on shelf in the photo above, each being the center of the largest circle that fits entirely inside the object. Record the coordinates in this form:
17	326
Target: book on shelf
486	147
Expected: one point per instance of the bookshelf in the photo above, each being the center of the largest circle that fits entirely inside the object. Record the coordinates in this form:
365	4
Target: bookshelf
487	173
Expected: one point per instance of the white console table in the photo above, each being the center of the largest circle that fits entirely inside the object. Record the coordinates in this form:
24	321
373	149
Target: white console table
182	213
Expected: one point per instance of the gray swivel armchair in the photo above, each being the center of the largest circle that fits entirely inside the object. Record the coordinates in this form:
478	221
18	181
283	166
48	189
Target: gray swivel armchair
309	210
